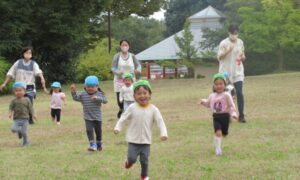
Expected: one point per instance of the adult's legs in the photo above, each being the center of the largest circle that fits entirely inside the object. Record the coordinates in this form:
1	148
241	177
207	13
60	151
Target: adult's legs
120	104
240	99
30	95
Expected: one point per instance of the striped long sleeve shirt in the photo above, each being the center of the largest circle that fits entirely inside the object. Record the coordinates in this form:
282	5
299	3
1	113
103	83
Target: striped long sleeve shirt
91	108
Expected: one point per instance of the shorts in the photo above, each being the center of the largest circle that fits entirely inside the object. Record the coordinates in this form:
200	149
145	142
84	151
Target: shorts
221	122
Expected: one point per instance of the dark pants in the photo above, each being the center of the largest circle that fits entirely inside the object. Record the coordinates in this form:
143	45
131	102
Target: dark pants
31	96
55	114
142	150
240	97
92	126
120	104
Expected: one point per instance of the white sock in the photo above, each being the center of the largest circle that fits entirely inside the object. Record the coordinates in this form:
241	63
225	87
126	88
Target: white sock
218	142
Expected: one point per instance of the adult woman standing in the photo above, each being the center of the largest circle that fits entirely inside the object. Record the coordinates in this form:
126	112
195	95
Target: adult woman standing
231	57
123	62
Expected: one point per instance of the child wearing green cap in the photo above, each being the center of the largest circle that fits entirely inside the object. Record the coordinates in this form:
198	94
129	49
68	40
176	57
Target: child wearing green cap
223	107
141	116
91	99
19	109
126	92
57	99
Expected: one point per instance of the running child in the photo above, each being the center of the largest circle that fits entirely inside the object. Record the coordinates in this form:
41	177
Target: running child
91	99
126	92
223	107
141	116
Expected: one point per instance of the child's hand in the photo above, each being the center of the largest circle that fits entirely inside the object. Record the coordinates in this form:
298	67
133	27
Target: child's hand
116	131
235	117
201	101
10	116
35	118
163	138
94	98
73	87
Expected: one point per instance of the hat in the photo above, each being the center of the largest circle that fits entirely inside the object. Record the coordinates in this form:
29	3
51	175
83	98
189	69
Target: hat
141	83
19	84
56	85
91	81
128	75
219	76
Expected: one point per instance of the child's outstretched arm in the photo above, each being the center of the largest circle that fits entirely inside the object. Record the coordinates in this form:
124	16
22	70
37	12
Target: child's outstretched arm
75	96
161	125
231	106
100	98
63	98
205	102
125	117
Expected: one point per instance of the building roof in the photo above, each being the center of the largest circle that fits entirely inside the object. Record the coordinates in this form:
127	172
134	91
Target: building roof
167	49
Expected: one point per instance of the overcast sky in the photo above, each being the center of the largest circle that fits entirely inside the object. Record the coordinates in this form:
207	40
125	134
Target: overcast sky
158	15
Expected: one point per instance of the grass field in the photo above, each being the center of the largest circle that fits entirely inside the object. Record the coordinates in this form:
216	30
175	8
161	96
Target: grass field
267	147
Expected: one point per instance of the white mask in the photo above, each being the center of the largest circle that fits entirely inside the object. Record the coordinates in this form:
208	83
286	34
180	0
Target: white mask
233	37
125	49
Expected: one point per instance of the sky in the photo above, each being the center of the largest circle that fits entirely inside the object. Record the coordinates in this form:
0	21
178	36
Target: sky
159	15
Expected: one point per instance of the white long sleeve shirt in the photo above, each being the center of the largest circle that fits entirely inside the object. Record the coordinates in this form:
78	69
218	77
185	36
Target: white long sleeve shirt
126	94
141	120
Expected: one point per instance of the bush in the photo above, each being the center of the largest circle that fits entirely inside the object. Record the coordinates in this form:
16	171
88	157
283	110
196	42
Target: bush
4	66
96	62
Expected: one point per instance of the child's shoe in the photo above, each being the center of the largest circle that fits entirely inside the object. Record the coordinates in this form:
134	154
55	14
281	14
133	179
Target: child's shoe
19	135
218	152
58	123
127	165
99	147
144	178
93	147
25	144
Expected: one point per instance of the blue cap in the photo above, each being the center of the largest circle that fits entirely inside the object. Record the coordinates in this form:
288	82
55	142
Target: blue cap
56	85
91	81
19	84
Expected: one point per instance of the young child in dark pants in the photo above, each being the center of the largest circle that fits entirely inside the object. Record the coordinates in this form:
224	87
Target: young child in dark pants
19	109
223	107
141	115
91	99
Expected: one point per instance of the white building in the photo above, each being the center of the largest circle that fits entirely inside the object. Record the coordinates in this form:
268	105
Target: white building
167	49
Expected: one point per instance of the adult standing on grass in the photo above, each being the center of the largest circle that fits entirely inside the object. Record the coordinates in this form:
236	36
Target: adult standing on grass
124	62
25	70
231	57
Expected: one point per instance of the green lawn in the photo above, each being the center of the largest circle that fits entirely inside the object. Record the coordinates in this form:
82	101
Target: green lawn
267	147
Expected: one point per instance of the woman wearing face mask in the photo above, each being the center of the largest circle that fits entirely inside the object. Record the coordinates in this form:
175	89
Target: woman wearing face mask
231	57
123	62
25	70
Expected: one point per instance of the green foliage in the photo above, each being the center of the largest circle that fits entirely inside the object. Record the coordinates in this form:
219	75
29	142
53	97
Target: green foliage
96	62
178	10
141	32
187	50
166	63
4	66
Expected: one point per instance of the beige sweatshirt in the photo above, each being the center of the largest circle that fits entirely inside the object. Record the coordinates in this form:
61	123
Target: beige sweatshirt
141	120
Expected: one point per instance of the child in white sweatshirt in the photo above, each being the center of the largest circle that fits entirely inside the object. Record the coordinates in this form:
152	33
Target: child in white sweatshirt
126	92
141	116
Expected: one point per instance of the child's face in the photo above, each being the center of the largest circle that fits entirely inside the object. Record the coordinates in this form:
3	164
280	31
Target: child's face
27	55
219	86
19	92
127	82
91	89
142	96
55	89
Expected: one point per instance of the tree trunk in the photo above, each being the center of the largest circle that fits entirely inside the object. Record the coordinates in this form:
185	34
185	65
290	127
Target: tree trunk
109	31
280	60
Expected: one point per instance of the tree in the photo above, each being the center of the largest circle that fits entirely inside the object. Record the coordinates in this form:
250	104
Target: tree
178	10
272	29
187	50
141	32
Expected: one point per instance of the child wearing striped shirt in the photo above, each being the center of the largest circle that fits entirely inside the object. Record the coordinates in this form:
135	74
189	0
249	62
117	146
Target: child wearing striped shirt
91	99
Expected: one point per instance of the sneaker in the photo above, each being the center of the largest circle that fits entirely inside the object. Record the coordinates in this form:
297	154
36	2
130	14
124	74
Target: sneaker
99	147
58	123
127	165
93	147
218	152
25	144
144	178
19	135
242	120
